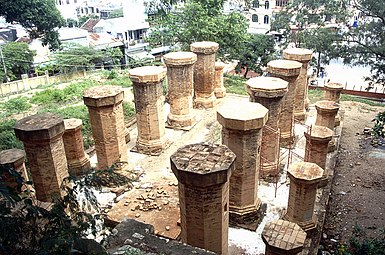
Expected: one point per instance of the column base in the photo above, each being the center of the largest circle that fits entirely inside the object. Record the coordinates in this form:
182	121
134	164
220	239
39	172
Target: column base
305	225
247	217
79	167
287	139
300	115
154	147
269	169
180	121
204	102
220	92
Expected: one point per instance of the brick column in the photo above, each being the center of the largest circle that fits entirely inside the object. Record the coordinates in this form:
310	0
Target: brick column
219	88
105	107
283	238
333	93
269	92
304	179
149	106
287	70
204	73
42	136
326	116
316	148
301	91
180	73
15	159
203	172
77	160
242	133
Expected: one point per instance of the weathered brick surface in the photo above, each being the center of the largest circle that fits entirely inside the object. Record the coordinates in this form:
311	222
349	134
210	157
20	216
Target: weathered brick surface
180	75
304	179
283	237
203	172
333	91
269	92
219	88
77	160
316	148
14	158
204	73
326	113
105	108
287	70
149	102
301	91
242	133
41	135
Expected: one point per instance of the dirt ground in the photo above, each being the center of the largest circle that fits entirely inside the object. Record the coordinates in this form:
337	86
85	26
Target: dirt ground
358	190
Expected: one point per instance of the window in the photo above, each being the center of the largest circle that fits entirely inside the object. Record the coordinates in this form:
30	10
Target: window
254	18
266	19
256	4
267	5
68	1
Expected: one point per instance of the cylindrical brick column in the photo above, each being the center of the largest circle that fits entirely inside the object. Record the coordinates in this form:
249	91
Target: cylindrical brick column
180	73
301	91
203	172
13	158
105	107
242	133
149	106
204	73
77	160
219	87
304	179
333	93
287	70
316	148
326	113
42	136
269	92
283	237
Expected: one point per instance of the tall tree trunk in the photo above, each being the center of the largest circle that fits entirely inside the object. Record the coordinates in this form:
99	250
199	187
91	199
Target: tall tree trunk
246	71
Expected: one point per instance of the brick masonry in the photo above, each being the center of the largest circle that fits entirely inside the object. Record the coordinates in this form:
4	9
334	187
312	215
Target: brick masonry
333	93
203	172
316	148
15	159
180	78
149	106
204	73
41	135
219	87
105	108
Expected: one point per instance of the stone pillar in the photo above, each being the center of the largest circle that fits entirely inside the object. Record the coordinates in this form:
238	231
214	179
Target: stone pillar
269	92
149	106
316	148
203	172
42	136
301	91
326	113
77	160
283	238
333	93
219	87
287	70
180	73
241	132
304	179
105	107
204	73
15	159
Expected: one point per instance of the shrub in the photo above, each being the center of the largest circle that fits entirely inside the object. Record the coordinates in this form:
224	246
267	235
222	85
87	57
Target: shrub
128	110
8	138
15	105
235	84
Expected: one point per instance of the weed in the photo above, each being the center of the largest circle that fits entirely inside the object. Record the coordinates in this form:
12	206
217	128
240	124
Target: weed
14	105
235	84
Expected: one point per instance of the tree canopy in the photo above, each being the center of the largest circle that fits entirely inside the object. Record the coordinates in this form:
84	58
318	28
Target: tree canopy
39	17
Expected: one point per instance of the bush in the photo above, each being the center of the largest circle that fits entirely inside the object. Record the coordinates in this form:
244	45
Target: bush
8	138
15	105
235	84
128	110
379	124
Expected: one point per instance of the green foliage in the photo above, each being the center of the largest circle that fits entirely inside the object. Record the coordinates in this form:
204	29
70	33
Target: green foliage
256	51
18	59
128	110
39	17
83	19
379	124
8	138
72	23
14	105
235	84
315	95
117	13
345	97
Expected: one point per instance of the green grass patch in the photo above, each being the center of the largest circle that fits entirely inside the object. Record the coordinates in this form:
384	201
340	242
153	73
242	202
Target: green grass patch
14	106
235	84
345	97
8	138
128	110
315	95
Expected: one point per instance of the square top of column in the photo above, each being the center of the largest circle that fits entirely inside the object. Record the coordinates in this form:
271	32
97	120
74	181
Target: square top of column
305	172
204	47
103	96
11	156
268	87
147	74
180	58
202	164
298	54
242	115
284	67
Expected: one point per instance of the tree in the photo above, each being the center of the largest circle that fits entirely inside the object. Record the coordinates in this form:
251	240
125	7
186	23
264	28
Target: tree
18	59
116	13
256	51
202	21
41	18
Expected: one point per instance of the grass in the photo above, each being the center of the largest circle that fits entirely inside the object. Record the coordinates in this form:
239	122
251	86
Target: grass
345	97
14	106
315	95
8	138
235	84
